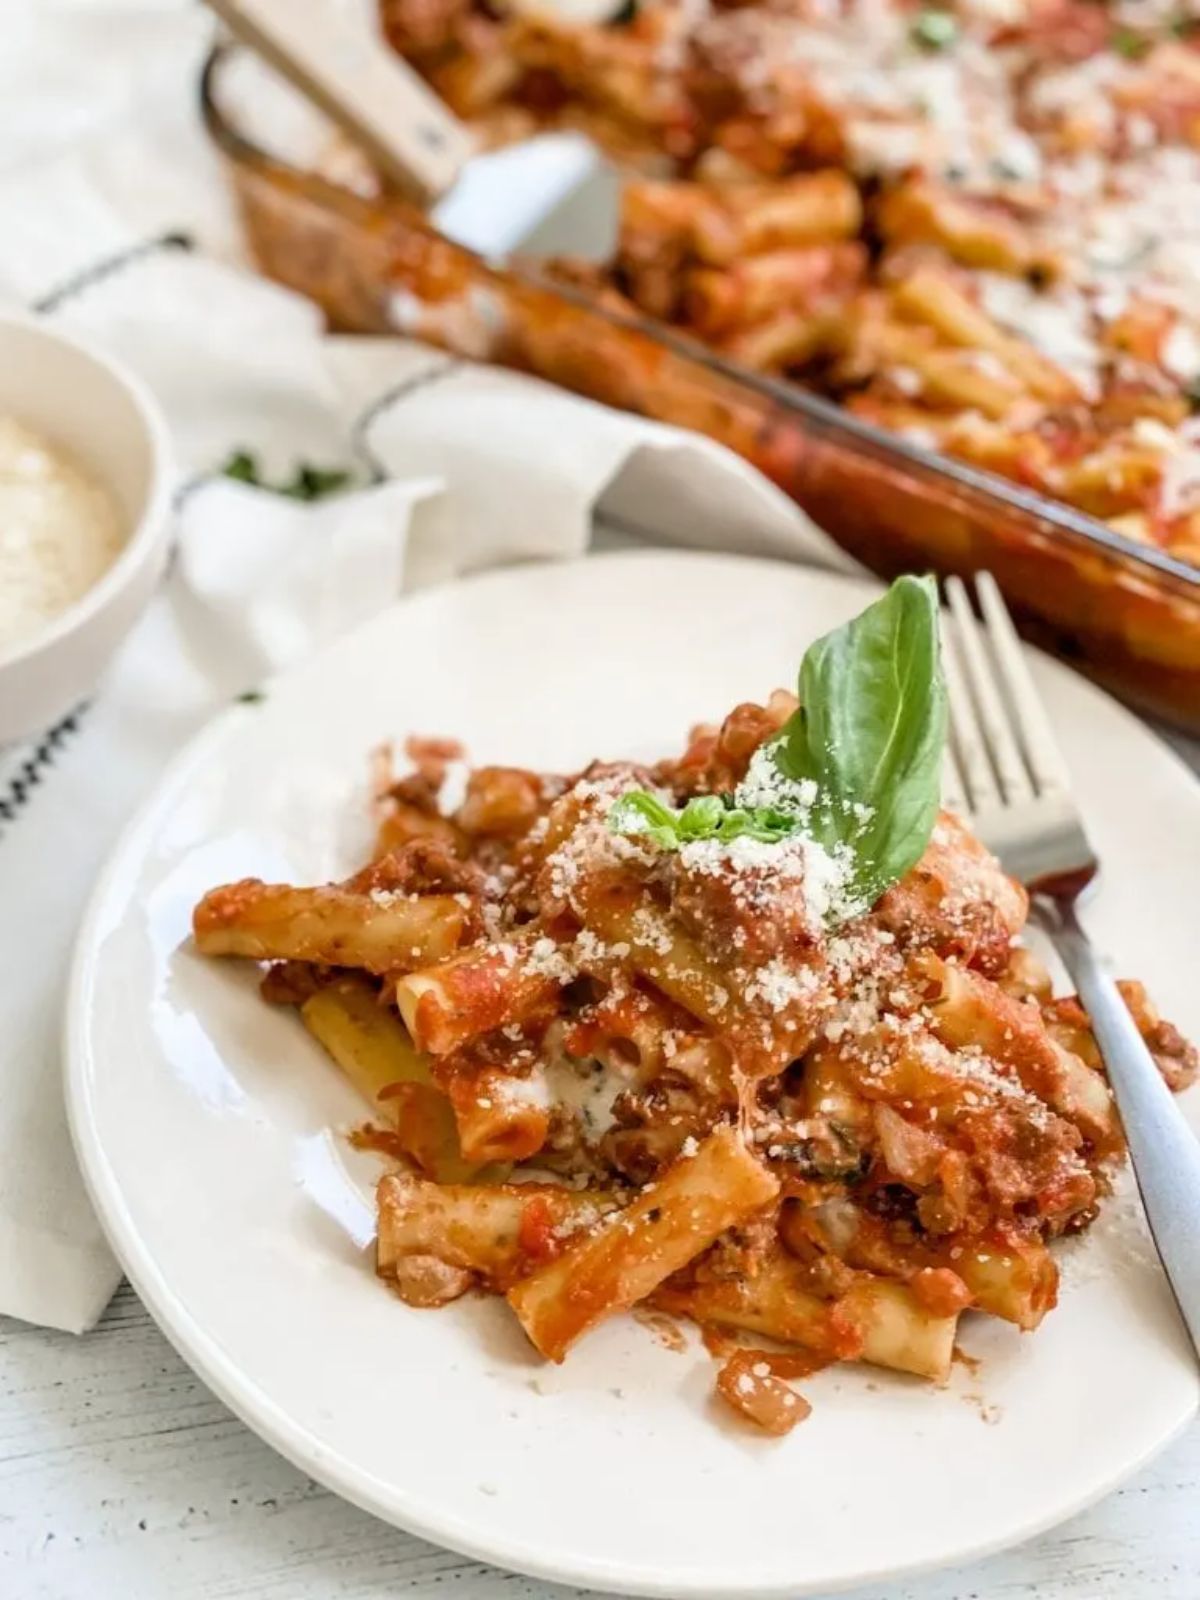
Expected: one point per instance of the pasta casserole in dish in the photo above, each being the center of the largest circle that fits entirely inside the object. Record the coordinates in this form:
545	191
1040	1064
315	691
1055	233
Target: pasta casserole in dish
976	223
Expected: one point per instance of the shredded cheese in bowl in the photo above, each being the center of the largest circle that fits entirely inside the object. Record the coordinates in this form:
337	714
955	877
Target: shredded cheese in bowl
60	532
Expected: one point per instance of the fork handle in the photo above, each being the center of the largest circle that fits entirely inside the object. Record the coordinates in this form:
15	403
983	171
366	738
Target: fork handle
1164	1150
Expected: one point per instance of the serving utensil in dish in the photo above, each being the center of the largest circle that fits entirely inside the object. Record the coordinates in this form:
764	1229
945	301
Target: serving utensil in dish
551	192
1013	786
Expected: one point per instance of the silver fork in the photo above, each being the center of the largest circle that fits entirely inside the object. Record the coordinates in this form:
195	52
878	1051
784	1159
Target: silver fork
1006	776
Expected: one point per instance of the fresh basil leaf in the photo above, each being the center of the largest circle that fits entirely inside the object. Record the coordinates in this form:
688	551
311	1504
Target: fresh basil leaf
757	823
640	812
934	30
870	733
701	818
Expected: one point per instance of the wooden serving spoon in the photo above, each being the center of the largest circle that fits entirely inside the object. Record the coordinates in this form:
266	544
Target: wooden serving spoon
551	194
372	94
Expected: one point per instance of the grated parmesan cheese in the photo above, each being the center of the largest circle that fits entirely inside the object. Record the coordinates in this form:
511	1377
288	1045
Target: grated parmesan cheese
779	986
825	875
546	959
591	951
1180	450
652	931
766	786
1181	353
59	532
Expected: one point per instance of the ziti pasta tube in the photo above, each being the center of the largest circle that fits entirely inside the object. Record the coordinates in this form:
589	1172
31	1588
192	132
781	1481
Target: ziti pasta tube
626	1259
380	931
494	1231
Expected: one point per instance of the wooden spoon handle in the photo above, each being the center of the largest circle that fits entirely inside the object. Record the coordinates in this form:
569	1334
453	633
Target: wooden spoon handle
362	86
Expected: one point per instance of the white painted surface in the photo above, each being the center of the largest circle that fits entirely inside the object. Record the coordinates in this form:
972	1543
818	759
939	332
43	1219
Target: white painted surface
122	1478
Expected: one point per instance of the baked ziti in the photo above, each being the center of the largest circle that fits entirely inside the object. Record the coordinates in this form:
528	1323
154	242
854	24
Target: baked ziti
976	222
745	1036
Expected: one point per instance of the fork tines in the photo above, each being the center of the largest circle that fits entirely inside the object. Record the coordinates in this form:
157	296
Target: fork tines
1002	751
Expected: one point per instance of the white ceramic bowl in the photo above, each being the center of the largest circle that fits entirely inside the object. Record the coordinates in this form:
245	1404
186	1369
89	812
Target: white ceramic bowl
107	420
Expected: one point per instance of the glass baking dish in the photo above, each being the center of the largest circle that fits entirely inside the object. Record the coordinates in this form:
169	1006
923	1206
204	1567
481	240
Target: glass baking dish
1127	615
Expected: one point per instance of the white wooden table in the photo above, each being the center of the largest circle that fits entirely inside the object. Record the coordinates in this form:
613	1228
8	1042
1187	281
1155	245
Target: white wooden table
123	1478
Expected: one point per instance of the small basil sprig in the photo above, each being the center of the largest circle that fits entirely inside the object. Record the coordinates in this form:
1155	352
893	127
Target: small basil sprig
860	760
707	816
934	29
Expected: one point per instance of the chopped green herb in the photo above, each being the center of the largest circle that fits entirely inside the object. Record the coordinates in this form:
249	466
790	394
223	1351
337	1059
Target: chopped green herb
241	467
856	770
307	483
250	697
314	483
934	30
707	816
1133	46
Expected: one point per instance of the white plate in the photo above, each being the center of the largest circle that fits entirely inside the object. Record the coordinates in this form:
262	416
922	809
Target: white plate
203	1121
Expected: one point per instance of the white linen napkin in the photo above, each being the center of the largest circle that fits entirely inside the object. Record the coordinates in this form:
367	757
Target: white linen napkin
102	166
